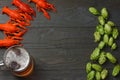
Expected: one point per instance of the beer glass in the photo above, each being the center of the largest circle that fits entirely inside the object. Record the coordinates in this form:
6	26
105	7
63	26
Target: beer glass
17	60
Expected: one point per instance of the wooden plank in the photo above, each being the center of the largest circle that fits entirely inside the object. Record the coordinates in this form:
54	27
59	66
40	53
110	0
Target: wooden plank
71	13
55	75
54	35
62	46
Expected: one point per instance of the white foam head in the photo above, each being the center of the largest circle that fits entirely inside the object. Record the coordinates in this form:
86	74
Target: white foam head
19	55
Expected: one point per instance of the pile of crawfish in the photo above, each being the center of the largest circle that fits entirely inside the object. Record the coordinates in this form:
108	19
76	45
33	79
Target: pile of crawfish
20	18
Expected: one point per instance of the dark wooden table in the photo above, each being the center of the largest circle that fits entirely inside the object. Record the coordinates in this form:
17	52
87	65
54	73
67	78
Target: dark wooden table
61	47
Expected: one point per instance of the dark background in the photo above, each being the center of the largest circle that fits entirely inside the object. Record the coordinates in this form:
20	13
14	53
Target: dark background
61	47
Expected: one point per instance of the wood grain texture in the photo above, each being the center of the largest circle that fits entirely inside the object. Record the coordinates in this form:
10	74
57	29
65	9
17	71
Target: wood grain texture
61	47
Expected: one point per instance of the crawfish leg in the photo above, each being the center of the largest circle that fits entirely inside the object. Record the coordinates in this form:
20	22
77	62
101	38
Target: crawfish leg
18	21
33	12
26	20
12	36
6	34
28	16
20	25
23	23
20	33
17	38
38	8
52	7
46	13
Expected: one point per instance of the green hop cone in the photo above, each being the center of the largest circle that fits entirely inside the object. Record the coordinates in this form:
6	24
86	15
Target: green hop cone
116	70
88	67
104	74
91	75
101	20
114	46
97	67
101	45
95	54
110	42
115	33
111	23
105	38
111	58
104	13
97	36
102	59
98	76
108	29
94	11
100	29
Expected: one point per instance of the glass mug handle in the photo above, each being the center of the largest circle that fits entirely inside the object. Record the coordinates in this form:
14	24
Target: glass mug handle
12	65
2	65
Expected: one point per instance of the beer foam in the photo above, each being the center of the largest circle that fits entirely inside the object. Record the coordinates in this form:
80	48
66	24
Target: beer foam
23	59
